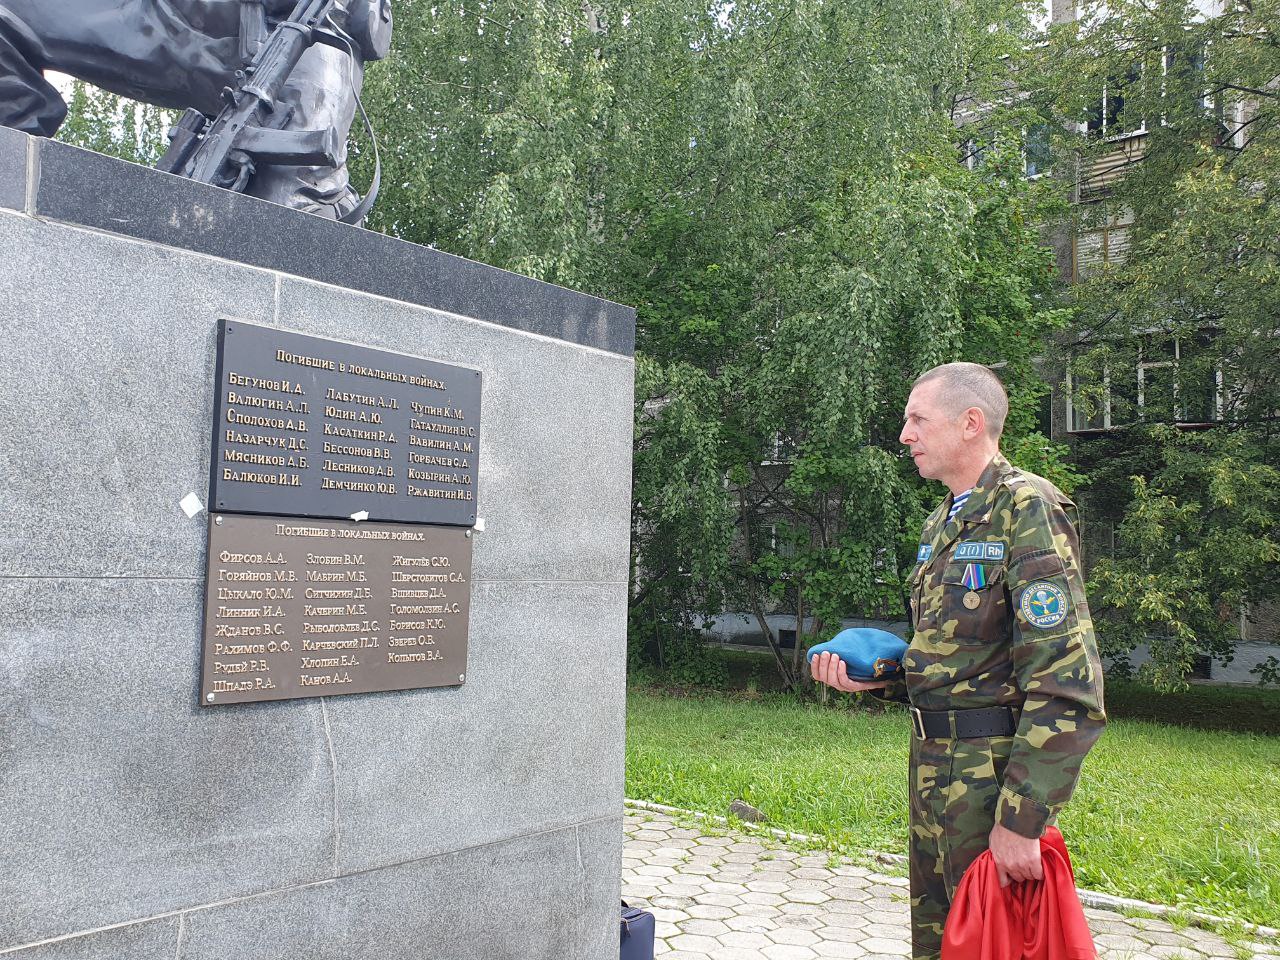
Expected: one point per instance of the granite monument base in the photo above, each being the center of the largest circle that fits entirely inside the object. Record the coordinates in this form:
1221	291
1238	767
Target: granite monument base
476	821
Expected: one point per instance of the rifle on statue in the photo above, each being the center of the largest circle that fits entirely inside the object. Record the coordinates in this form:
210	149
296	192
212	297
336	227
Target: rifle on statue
250	129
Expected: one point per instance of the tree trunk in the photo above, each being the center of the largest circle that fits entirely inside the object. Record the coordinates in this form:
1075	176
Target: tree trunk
788	677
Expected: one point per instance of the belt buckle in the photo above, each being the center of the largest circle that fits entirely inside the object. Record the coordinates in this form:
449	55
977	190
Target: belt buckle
917	721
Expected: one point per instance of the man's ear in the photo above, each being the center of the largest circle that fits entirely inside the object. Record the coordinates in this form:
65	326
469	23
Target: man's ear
975	423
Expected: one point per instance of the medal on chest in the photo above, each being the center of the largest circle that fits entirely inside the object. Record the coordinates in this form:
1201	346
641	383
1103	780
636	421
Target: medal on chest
975	578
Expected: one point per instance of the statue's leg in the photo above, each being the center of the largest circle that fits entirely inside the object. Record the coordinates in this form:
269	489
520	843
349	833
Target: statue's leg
28	102
322	92
173	53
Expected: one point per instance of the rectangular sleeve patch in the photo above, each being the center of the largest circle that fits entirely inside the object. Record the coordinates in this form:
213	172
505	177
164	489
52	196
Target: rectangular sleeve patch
980	550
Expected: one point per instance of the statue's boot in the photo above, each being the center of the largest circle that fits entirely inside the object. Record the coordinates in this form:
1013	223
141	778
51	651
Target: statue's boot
322	93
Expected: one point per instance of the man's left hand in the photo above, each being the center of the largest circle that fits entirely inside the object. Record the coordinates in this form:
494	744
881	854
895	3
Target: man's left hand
1017	857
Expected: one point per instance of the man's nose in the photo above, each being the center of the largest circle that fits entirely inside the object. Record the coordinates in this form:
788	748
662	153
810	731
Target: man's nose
907	435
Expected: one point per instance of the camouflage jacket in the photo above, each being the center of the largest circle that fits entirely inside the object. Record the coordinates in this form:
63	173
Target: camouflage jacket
1000	618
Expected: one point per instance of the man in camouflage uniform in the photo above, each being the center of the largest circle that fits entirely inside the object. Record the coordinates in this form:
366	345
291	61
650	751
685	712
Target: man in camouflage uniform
1002	672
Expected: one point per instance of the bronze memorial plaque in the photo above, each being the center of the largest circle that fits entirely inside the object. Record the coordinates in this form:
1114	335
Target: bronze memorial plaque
311	427
309	608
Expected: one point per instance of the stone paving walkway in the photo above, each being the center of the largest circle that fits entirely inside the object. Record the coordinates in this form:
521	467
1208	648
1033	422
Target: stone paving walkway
720	895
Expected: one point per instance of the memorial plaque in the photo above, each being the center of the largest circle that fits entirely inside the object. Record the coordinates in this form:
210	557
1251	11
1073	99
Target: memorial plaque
320	428
310	608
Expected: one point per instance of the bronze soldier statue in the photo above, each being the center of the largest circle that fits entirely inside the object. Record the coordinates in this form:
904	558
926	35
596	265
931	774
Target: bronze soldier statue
1002	672
186	53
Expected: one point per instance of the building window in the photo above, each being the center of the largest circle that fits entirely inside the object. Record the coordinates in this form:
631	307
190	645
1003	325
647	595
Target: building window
1097	247
1173	380
974	153
1041	14
1184	68
1158	379
1089	406
1035	150
782	450
1107	117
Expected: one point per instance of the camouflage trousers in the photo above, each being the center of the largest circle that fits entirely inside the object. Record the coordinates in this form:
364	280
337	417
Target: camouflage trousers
954	788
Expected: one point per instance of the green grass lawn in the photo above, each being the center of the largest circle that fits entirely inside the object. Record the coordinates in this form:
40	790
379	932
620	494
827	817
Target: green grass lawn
1165	814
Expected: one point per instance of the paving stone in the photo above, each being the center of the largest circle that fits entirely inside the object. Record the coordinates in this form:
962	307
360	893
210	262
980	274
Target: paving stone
893	947
807	896
721	899
848	899
831	934
720	887
764	892
737	953
639	891
748	924
811	873
1120	941
652	870
704	928
800	938
759	911
889	916
890	931
692	942
849	921
707	911
1169	952
1157	938
837	950
802	909
855	881
744	938
1151	923
683	889
787	951
667	899
665	916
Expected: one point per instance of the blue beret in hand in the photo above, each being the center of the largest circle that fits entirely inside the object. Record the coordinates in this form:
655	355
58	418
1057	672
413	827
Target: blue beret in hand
868	654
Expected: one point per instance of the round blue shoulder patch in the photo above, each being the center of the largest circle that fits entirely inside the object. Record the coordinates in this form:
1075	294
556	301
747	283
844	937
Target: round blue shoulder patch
1043	605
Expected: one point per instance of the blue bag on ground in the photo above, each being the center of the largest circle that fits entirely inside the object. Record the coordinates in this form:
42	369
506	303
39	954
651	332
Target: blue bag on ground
868	654
637	933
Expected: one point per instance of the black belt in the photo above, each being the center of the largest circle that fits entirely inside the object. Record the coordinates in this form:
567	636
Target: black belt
964	724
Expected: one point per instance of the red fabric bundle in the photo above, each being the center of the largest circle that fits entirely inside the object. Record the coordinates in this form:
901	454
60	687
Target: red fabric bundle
1035	920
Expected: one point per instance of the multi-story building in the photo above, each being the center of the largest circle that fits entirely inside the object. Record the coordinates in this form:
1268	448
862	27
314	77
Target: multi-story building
1154	380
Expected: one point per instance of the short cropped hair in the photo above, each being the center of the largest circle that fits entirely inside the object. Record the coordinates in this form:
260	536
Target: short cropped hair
966	385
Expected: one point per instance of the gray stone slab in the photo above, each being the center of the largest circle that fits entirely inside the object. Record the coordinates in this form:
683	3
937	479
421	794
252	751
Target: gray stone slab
532	741
149	940
122	799
99	462
551	896
13	169
78	186
107	389
555	441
